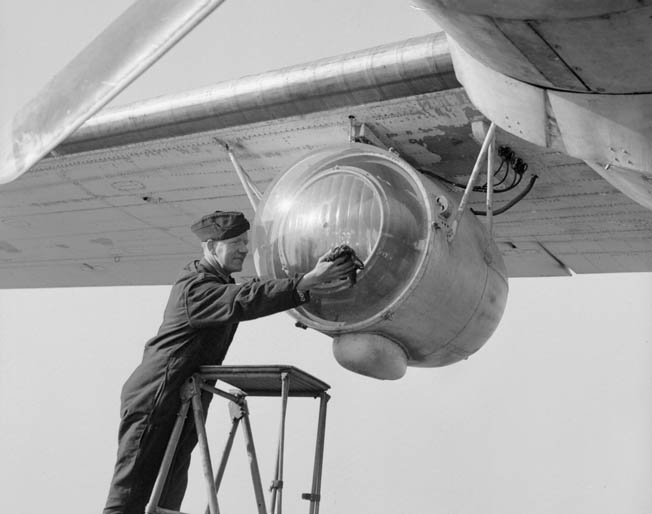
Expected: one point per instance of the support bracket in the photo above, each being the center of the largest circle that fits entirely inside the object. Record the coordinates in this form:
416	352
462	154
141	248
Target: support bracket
487	144
360	132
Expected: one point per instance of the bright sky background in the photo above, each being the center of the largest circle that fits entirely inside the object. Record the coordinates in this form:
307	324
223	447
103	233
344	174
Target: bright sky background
553	415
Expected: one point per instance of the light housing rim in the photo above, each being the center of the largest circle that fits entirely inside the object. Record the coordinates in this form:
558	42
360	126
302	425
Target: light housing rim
335	153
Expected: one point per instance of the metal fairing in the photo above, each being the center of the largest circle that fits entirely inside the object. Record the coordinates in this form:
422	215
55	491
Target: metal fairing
109	207
564	77
436	295
462	292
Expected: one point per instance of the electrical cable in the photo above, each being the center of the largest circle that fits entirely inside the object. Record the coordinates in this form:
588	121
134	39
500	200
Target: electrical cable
512	202
508	160
514	167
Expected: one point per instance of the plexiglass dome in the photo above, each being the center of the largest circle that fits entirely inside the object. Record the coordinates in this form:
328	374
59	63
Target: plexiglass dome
358	195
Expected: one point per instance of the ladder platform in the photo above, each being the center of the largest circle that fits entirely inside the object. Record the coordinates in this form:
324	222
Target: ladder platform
266	380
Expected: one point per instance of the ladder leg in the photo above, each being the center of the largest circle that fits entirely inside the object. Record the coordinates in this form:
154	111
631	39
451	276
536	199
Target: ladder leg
253	461
315	495
157	491
200	426
277	484
227	450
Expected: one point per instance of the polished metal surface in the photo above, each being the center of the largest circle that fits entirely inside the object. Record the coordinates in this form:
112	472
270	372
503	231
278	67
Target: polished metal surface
396	70
546	9
136	39
582	46
573	78
423	299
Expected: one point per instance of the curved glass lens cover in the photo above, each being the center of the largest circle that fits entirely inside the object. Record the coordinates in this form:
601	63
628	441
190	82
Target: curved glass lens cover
357	195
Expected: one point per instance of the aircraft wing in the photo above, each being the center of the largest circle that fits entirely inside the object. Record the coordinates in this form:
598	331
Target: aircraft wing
112	205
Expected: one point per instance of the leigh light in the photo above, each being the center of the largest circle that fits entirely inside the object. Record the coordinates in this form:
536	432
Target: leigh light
423	298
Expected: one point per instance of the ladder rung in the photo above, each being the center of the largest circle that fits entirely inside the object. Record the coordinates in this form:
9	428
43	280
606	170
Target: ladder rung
161	510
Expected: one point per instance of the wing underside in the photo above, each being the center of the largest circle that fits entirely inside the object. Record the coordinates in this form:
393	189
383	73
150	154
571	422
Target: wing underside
113	205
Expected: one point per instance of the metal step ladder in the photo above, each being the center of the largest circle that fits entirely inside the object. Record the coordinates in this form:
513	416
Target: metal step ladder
268	381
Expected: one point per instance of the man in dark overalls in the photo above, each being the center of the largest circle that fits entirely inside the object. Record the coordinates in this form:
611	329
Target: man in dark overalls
200	319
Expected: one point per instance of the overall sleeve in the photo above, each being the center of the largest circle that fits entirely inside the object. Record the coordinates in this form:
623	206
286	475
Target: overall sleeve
211	302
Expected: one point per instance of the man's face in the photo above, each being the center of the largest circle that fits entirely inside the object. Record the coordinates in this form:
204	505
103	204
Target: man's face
231	253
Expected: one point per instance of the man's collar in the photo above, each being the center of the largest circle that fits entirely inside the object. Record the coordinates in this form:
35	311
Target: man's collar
215	269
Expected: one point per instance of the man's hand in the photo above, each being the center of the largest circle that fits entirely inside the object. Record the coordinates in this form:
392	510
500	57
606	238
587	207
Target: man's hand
327	271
